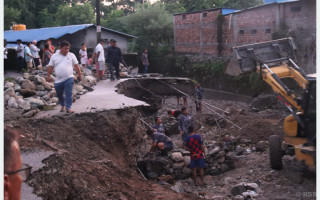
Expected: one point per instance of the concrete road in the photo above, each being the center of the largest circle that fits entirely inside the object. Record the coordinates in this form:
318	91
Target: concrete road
103	97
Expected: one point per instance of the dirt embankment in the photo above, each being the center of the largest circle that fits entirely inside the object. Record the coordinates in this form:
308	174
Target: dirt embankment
95	157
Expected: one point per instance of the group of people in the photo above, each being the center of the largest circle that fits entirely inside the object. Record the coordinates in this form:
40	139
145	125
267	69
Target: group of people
191	141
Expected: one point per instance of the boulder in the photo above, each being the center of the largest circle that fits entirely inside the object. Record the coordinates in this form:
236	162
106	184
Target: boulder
177	157
78	88
87	72
8	85
23	104
250	195
17	87
38	79
6	97
263	102
46	97
186	160
221	160
30	113
26	75
220	154
10	89
40	93
178	165
238	190
261	146
28	85
31	77
12	103
224	167
186	170
34	101
19	80
90	79
47	85
214	151
40	88
239	150
55	100
27	92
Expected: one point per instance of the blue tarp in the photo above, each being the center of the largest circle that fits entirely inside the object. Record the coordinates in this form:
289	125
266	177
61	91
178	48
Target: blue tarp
50	32
226	11
278	1
42	33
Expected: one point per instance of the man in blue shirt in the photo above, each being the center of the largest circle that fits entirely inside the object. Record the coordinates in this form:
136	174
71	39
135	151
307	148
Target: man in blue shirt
160	142
28	57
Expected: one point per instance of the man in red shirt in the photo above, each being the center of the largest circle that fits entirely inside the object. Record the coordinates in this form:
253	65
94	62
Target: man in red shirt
195	144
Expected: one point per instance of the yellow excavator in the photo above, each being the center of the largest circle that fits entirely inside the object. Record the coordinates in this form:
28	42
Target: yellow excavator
275	61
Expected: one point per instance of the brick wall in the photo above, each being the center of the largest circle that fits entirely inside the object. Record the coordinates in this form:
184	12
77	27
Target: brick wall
197	34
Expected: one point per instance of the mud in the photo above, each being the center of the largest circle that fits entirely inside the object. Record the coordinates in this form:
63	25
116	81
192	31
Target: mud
95	154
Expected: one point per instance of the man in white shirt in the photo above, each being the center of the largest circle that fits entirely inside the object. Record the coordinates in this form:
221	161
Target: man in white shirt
20	55
35	53
5	55
100	62
63	63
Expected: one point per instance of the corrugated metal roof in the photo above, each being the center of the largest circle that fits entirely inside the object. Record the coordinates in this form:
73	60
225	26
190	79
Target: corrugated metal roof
50	32
226	11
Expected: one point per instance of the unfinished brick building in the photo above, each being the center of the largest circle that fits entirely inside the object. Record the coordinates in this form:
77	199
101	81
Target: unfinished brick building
211	34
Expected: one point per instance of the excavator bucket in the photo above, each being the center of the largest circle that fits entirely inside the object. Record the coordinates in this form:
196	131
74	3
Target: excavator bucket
246	58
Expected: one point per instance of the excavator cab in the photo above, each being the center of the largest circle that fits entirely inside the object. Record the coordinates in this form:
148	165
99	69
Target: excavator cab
275	61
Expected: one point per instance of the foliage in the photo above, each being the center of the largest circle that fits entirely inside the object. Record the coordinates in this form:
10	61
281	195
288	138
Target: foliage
77	14
242	4
152	24
111	20
46	19
10	15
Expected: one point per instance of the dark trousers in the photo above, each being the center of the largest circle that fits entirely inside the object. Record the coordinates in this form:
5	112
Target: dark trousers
5	63
116	67
20	63
36	62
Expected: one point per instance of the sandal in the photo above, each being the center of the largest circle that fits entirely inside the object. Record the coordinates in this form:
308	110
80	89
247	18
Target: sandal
63	109
70	111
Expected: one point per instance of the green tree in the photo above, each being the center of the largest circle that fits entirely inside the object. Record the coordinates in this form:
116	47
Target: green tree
111	20
77	14
152	24
10	15
46	19
242	4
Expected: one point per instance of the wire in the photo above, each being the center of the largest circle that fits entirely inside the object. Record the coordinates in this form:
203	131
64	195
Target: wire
203	103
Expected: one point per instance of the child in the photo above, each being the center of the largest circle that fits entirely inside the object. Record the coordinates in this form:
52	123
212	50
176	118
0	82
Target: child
83	55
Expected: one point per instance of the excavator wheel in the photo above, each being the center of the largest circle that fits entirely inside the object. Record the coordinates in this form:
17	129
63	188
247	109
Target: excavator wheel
275	152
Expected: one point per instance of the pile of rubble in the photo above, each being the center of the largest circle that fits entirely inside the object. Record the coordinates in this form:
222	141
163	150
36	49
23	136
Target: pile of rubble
177	164
32	92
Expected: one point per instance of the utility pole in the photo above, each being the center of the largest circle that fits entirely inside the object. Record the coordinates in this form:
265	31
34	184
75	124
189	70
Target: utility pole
98	20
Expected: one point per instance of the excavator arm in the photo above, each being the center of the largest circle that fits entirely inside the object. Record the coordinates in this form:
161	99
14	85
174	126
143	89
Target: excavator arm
273	60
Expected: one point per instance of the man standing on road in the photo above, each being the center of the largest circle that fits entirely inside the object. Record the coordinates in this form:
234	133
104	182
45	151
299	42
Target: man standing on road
20	55
99	59
185	121
114	56
145	61
198	96
14	171
63	63
35	53
194	143
28	56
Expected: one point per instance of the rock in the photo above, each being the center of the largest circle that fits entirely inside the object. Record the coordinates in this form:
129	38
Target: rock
263	102
214	151
39	67
6	97
27	92
178	165
218	198
17	87
8	85
250	194
28	85
238	197
221	160
238	190
186	170
228	180
40	93
34	101
90	79
152	175
38	79
53	93
224	167
78	88
252	186
184	152
46	97
186	161
47	85
213	171
23	104
12	103
40	88
55	100
26	75
87	72
19	80
228	111
178	187
261	146
10	89
177	157
239	150
31	77
220	154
